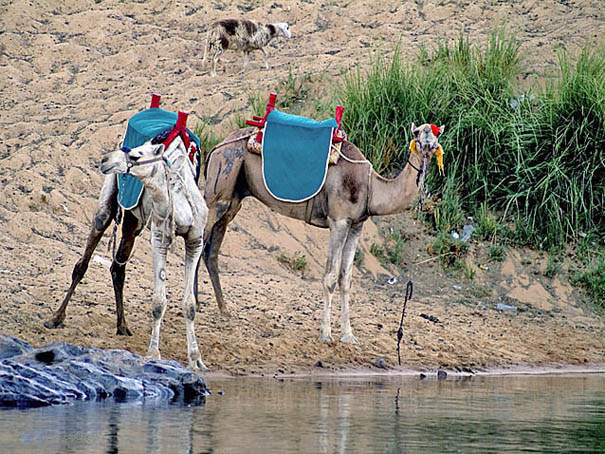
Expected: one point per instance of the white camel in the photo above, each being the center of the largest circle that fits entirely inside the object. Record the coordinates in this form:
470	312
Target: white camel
177	207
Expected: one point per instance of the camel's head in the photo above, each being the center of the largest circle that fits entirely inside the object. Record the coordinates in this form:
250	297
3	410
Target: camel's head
283	29
140	162
426	142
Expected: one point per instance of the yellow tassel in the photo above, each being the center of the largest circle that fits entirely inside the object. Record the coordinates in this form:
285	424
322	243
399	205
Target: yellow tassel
439	154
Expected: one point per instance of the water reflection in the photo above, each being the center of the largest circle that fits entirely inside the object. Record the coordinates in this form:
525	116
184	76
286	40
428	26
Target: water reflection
504	414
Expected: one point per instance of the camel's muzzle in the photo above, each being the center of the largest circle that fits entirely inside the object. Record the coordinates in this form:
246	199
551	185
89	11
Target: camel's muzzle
109	166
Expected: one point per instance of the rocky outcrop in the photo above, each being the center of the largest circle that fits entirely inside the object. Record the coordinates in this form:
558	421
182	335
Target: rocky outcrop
60	373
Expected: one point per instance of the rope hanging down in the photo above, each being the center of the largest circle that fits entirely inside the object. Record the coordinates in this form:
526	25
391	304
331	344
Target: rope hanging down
408	296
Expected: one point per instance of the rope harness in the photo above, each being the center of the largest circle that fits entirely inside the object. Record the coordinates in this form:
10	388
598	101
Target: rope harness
172	178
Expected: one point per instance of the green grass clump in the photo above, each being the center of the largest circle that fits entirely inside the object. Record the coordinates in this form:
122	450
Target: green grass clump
553	266
535	156
450	251
298	262
378	251
449	214
592	279
496	253
208	140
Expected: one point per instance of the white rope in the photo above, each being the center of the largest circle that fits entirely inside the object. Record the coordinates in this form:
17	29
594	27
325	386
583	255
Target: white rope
354	161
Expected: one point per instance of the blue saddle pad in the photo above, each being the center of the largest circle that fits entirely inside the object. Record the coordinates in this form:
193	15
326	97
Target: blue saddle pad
142	127
295	155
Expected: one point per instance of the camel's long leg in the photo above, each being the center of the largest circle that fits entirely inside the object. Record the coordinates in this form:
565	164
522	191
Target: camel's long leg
216	228
131	228
338	234
105	212
193	245
246	60
344	281
215	58
265	57
206	47
159	245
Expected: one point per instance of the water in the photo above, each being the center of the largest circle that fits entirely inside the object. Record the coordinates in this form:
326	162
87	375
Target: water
552	413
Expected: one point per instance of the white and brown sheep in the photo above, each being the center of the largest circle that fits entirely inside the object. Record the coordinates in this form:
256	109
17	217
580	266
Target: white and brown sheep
241	34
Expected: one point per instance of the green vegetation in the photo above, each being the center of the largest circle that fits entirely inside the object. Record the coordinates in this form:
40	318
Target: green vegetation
293	89
527	163
593	281
207	139
469	272
496	252
392	249
378	251
487	224
298	262
449	214
451	251
534	156
359	256
553	267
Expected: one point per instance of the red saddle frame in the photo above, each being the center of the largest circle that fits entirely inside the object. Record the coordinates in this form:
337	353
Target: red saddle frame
259	122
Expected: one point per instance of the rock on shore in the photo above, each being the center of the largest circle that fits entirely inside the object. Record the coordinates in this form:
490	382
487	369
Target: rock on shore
59	373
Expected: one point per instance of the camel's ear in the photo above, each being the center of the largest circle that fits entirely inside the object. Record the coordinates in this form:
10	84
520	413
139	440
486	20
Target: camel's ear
441	129
414	132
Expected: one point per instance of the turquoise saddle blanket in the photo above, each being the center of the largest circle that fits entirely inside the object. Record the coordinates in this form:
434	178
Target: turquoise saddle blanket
295	155
142	127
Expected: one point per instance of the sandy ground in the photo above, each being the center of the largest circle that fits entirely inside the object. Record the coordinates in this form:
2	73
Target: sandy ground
71	74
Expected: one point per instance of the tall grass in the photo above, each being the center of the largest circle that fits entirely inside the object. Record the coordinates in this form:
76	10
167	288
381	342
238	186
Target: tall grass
534	157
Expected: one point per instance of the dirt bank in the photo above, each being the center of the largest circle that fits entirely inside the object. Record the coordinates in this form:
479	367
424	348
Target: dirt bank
71	76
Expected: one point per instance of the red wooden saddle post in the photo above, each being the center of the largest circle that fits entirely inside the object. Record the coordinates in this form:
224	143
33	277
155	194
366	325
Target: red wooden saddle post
259	122
179	128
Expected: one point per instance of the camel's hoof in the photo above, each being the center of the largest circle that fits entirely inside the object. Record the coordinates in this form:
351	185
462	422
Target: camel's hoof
349	339
123	331
153	354
326	338
53	323
198	366
225	313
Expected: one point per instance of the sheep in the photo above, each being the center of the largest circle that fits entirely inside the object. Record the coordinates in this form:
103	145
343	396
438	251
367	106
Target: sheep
241	34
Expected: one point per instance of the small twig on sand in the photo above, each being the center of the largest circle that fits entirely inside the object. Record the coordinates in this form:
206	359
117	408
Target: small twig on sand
433	258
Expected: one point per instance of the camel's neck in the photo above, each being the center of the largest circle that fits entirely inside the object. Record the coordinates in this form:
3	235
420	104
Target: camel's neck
158	190
390	196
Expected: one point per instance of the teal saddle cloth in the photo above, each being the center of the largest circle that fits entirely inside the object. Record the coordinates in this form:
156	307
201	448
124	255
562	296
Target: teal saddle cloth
142	127
295	155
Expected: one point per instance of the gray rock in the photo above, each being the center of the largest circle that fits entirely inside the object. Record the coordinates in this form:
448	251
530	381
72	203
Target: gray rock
506	307
59	373
380	363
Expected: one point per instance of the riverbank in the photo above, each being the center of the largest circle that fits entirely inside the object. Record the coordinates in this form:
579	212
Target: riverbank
76	72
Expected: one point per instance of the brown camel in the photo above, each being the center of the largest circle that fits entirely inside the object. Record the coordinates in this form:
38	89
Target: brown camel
351	194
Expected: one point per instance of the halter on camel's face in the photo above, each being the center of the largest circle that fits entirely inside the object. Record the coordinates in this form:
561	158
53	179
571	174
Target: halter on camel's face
426	143
141	161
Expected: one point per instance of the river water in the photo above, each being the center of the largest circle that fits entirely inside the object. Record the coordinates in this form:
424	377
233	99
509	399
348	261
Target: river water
522	413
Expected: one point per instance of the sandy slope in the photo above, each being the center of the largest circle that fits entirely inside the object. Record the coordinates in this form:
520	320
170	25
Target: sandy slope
72	74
